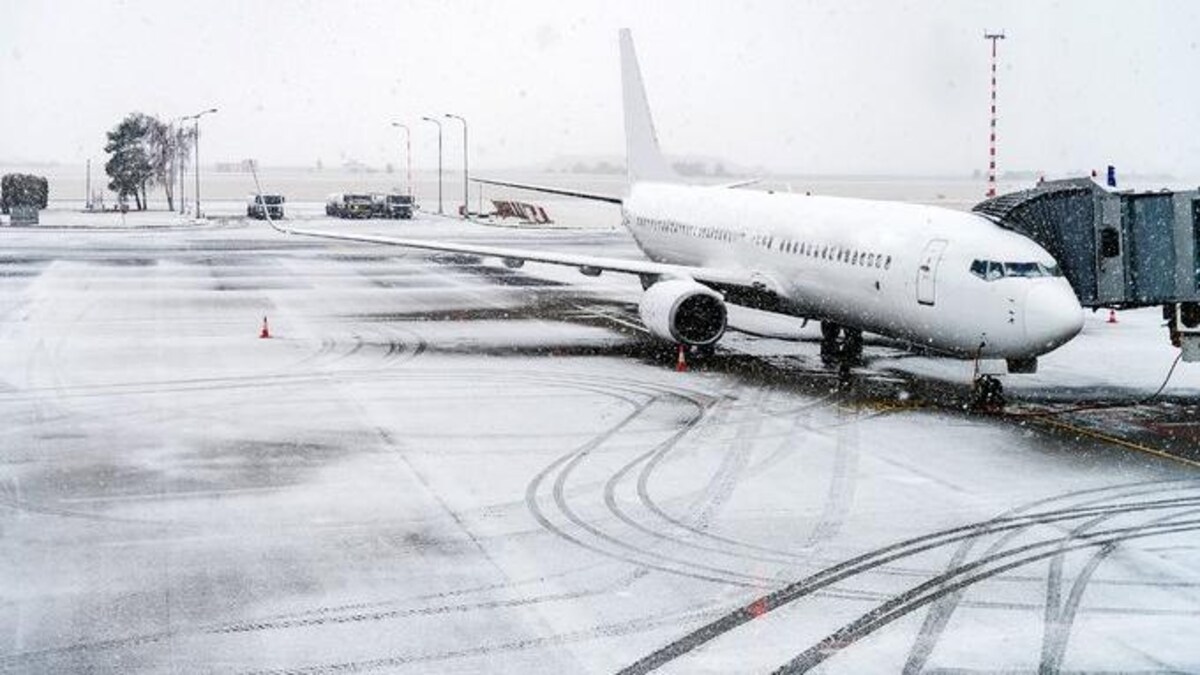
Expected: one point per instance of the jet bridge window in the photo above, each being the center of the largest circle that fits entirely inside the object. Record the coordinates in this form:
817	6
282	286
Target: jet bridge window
1110	242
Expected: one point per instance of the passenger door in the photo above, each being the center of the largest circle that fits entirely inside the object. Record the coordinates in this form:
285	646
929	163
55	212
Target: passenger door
927	272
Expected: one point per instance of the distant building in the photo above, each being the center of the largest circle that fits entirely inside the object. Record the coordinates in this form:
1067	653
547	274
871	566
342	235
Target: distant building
244	166
355	166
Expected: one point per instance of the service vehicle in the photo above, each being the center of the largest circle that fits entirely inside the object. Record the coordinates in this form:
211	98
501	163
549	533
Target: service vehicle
348	205
392	205
261	206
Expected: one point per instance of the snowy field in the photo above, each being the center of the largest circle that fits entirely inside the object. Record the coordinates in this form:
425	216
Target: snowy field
437	464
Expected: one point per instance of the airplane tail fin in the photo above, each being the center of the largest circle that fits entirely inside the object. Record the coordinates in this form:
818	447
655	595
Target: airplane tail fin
643	159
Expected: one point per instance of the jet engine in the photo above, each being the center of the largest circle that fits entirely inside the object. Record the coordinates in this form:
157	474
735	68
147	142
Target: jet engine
684	312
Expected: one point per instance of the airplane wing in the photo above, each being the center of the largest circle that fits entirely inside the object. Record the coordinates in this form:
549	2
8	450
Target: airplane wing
590	265
739	183
551	190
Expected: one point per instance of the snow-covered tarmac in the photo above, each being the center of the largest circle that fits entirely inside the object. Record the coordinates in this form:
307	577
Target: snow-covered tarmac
442	465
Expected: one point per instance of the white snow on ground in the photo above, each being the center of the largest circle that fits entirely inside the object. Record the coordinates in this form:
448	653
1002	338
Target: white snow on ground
1131	356
435	466
1133	353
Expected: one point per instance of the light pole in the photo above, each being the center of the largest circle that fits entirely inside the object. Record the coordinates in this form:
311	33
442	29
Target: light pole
180	162
466	203
439	126
181	158
196	139
407	152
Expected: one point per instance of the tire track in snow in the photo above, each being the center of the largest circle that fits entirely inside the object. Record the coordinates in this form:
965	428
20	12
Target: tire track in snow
941	611
624	389
751	551
973	573
872	560
639	556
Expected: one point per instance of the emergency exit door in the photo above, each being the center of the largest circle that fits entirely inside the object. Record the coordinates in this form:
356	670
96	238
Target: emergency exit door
927	272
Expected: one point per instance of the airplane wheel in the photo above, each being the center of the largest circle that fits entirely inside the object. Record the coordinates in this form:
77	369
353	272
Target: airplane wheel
829	340
852	345
840	345
987	394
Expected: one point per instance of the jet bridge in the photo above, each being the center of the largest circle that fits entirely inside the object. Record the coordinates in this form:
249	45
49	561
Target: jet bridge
1117	249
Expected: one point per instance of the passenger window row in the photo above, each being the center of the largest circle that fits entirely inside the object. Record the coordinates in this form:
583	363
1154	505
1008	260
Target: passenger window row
990	270
831	253
673	227
837	254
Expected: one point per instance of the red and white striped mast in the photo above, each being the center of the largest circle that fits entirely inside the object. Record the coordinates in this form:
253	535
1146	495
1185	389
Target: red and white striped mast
991	191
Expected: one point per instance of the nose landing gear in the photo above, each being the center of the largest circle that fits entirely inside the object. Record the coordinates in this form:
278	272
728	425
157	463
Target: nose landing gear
987	394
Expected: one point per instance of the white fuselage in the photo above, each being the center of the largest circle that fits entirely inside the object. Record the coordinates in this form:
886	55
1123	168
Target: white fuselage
896	269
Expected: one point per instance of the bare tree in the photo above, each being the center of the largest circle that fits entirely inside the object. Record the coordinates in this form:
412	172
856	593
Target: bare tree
167	147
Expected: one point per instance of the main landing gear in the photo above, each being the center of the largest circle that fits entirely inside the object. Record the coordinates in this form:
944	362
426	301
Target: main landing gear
840	345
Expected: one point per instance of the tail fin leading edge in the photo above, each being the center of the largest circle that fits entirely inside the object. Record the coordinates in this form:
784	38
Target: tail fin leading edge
643	159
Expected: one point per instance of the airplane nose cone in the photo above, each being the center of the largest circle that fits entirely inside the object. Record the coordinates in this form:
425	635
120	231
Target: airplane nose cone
1052	316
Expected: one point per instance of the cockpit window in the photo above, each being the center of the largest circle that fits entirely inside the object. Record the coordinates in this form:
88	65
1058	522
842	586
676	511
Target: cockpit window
1022	270
995	271
990	270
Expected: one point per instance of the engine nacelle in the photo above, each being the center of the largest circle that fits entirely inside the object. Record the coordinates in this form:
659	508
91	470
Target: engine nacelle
683	311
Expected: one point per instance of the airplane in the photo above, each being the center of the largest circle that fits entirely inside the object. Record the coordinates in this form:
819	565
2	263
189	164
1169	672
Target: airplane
950	282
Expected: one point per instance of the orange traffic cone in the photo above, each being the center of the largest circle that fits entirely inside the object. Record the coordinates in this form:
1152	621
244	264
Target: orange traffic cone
758	607
1112	316
266	331
681	361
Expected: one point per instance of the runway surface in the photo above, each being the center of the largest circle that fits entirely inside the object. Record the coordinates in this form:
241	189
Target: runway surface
438	464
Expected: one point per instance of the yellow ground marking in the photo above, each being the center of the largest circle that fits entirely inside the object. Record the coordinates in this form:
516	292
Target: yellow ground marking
1119	441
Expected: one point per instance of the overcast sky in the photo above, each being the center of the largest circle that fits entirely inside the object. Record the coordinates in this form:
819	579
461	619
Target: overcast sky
815	87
